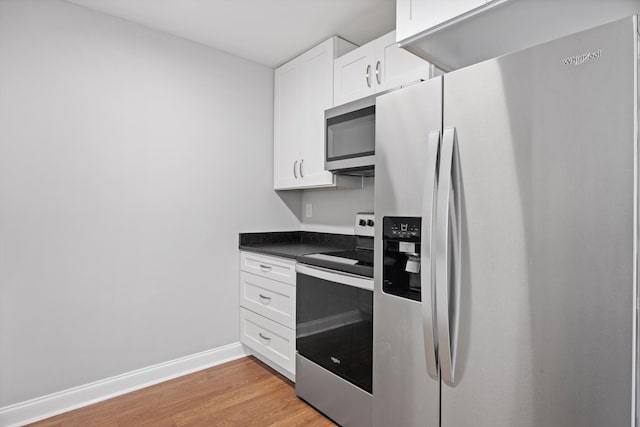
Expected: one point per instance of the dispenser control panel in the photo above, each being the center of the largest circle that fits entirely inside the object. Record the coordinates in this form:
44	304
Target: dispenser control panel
401	228
401	274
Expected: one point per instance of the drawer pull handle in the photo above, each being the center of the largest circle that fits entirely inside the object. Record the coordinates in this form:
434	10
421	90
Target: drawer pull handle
263	337
266	298
265	268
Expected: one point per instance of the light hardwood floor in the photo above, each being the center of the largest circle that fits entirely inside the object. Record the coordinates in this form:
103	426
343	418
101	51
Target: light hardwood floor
244	392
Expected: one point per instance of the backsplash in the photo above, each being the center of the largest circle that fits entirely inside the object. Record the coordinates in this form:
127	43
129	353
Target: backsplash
333	211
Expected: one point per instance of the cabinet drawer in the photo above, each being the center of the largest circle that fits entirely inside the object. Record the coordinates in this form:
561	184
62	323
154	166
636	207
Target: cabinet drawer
274	341
272	299
281	269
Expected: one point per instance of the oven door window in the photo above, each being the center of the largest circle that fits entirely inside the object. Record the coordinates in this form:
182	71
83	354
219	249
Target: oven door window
351	135
334	328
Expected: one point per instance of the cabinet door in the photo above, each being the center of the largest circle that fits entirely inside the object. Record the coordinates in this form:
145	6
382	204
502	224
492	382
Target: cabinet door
317	95
394	66
287	125
415	16
354	74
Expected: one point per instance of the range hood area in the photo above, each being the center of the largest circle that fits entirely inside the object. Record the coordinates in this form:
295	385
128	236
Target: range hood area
505	26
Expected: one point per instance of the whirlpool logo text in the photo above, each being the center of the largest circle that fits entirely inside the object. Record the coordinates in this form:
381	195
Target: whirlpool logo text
582	58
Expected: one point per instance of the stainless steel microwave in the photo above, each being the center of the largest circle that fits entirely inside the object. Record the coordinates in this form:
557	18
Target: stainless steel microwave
350	135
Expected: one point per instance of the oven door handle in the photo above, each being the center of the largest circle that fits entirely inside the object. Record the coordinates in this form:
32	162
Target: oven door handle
335	276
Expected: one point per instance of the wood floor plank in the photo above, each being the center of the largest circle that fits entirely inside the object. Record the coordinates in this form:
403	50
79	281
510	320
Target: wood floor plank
244	392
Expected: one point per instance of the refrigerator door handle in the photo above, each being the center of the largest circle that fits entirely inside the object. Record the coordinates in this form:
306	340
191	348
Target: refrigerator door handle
427	258
447	243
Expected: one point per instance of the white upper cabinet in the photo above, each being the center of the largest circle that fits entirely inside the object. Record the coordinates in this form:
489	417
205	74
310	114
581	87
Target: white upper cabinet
416	16
395	67
454	33
303	89
317	97
353	74
287	124
377	66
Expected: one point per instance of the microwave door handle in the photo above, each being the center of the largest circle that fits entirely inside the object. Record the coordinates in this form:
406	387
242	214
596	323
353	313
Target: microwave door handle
427	255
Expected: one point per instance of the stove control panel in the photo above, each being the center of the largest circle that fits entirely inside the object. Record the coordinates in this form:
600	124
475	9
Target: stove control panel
365	224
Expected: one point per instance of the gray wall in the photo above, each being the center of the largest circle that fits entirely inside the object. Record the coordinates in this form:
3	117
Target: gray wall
129	161
334	210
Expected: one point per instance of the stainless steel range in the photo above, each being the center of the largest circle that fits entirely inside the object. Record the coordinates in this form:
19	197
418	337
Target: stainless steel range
334	329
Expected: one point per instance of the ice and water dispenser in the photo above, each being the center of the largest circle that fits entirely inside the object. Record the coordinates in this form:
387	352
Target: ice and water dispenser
401	246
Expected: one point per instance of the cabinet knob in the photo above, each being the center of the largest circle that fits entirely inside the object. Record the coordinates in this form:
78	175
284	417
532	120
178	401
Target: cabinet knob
294	169
378	78
368	76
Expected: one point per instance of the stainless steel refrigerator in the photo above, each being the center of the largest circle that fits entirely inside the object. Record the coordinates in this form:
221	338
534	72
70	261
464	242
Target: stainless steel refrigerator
506	202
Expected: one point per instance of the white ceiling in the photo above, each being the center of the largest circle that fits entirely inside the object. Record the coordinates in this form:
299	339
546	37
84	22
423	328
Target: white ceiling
269	32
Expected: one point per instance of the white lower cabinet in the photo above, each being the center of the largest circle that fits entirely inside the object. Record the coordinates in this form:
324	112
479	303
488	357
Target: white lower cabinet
275	268
274	341
269	298
268	310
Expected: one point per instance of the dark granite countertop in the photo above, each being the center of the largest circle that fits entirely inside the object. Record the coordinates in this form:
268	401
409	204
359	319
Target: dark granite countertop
292	244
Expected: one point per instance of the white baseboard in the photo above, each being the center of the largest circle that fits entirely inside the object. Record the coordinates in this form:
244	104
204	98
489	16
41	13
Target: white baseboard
63	401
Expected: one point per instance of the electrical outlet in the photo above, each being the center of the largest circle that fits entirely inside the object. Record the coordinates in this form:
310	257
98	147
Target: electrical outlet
309	210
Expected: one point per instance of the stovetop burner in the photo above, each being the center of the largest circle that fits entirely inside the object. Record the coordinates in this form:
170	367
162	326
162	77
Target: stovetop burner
347	265
358	261
354	257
